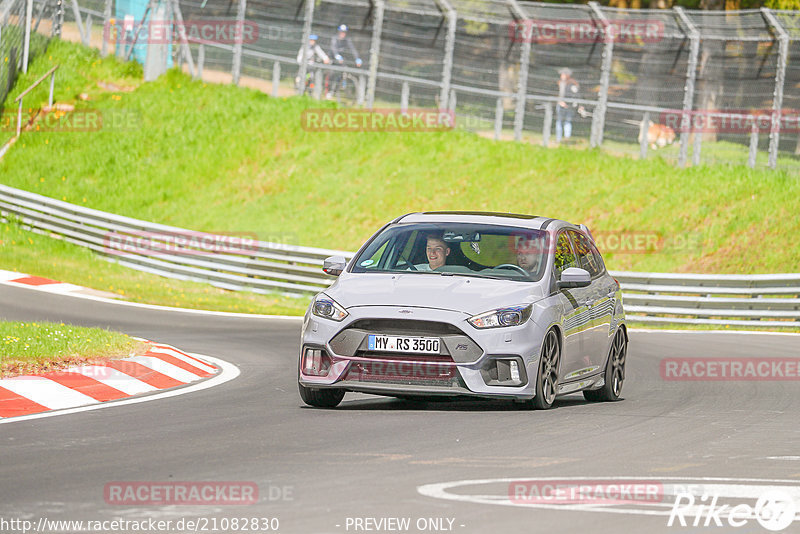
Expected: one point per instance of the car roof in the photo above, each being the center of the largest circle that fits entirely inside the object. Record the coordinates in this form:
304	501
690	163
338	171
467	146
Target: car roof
532	222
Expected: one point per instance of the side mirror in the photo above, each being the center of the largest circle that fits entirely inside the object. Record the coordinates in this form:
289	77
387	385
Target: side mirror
335	265
574	277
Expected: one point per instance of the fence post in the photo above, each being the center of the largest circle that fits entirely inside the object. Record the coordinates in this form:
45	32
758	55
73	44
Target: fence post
309	19
698	141
27	44
599	115
236	68
201	61
524	64
106	27
777	95
688	89
79	21
404	98
276	78
452	102
374	51
498	118
643	130
548	123
187	52
449	46
362	90
751	156
318	81
58	19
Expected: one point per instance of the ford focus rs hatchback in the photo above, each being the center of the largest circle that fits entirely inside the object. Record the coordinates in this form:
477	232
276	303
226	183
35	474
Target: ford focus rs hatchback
467	304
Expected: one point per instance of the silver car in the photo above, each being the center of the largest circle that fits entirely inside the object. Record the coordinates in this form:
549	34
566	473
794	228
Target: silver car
455	304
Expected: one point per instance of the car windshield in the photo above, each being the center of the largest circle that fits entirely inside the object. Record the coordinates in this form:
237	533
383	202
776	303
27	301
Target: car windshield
479	250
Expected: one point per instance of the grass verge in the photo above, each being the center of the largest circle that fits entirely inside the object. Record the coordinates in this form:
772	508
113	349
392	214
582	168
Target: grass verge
33	348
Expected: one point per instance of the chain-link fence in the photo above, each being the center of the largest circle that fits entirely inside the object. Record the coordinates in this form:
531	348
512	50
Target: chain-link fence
690	86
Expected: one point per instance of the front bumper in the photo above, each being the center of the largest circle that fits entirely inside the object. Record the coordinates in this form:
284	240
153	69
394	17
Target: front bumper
467	365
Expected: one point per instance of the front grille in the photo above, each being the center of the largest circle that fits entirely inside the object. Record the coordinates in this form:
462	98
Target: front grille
405	327
404	357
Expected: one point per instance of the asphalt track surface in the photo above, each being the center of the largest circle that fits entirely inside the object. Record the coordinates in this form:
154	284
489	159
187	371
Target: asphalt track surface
368	457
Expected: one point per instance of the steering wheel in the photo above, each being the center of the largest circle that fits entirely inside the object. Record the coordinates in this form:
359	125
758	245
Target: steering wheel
517	268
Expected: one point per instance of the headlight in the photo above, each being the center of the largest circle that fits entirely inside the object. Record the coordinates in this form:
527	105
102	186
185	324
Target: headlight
513	316
326	307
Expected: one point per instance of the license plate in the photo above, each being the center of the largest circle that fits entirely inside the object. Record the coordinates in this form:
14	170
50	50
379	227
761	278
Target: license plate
425	345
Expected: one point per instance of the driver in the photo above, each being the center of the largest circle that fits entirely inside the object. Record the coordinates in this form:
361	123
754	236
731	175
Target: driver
530	254
436	250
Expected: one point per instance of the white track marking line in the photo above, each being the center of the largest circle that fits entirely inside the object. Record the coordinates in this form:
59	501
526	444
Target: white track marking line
157	307
46	392
228	372
165	368
114	379
177	354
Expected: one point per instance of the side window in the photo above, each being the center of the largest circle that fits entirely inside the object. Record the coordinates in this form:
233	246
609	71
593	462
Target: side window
586	257
598	258
564	257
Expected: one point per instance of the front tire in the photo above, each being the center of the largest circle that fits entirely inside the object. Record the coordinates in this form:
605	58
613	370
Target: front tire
614	374
321	398
547	377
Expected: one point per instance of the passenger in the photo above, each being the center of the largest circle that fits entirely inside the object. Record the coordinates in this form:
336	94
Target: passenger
436	250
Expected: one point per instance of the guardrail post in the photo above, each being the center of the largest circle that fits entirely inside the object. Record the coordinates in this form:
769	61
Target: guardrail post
236	67
374	51
751	156
27	44
449	46
309	18
777	95
404	98
498	119
276	78
599	115
524	65
548	123
643	130
688	88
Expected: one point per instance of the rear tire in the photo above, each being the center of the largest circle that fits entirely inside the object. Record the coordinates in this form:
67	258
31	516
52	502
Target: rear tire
321	398
614	374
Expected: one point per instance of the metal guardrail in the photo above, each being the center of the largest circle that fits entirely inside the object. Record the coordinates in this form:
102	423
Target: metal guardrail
771	300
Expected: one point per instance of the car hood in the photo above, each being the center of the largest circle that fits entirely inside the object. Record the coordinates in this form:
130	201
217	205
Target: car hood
421	290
